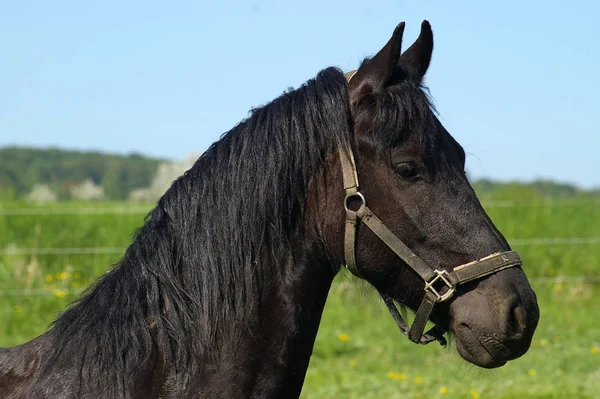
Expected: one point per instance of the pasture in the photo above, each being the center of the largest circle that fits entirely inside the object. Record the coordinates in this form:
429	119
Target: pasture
49	254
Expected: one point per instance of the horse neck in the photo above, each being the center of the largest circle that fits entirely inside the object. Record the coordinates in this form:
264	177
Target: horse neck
307	294
275	348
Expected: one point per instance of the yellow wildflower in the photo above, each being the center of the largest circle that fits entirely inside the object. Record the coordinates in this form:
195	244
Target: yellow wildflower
595	350
352	362
62	275
60	293
17	309
76	275
49	278
443	390
474	394
344	338
418	379
531	372
396	376
543	342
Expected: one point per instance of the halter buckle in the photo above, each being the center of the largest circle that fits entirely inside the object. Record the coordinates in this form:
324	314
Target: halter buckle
440	275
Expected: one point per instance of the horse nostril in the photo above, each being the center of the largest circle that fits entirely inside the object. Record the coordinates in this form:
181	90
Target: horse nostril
516	320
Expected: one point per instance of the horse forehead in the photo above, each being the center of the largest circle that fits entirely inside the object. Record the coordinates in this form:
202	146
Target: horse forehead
413	144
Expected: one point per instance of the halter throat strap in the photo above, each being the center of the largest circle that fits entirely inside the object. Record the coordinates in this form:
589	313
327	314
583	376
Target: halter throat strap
440	285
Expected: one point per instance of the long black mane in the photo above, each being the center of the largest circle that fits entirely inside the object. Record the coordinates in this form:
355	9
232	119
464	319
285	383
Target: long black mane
200	262
197	265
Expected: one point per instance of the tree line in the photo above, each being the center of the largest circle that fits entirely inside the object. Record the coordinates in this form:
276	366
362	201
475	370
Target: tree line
59	174
21	169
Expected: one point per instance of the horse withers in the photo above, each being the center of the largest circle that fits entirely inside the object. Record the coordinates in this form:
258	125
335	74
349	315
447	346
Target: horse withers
220	294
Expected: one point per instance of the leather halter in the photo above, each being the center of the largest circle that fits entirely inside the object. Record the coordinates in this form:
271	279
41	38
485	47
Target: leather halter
440	285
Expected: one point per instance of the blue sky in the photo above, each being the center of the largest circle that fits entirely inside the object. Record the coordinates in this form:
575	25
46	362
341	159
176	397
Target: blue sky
515	82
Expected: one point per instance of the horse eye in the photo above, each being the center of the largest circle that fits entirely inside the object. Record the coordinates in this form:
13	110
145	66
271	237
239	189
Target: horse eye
406	169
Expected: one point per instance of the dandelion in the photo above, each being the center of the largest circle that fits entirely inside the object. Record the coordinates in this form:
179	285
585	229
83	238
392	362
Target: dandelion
595	350
396	376
353	363
531	372
62	276
543	342
76	275
443	390
418	379
344	338
60	293
49	278
17	309
474	394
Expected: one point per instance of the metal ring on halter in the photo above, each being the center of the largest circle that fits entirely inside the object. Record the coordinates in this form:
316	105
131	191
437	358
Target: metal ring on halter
356	194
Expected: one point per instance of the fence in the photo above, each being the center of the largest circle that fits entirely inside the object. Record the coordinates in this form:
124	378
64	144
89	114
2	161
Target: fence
141	210
522	242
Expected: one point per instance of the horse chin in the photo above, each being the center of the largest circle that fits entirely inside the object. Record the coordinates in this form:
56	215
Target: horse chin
478	350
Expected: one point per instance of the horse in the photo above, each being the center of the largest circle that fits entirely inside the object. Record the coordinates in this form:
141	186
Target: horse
221	292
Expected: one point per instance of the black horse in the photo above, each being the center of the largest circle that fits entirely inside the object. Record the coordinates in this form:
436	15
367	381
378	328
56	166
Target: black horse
221	293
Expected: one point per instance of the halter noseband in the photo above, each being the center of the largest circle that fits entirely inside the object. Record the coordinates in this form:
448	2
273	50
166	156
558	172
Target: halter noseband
440	285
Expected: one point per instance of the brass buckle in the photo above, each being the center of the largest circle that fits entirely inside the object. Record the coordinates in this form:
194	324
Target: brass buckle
440	275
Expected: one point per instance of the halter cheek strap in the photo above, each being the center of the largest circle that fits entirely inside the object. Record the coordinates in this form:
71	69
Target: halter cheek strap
440	285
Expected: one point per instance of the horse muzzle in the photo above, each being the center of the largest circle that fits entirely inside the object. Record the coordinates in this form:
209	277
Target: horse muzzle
495	322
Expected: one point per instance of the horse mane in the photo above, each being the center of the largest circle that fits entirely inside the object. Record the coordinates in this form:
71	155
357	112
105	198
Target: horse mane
198	264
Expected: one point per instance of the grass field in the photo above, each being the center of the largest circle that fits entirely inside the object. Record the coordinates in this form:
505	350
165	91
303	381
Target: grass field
359	352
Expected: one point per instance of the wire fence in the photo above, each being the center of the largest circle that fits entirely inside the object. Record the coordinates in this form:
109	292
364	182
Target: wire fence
65	291
62	251
521	242
41	291
119	251
143	210
129	210
140	210
524	242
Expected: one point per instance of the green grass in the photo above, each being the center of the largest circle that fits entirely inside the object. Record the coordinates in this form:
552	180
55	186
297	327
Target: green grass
372	359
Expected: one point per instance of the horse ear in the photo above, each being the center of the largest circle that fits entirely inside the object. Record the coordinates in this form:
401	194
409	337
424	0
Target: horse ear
418	55
377	71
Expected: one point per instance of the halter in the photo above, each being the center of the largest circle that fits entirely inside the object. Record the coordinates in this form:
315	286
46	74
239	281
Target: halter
440	285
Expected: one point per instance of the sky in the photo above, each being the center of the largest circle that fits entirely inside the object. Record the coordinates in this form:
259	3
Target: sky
517	83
